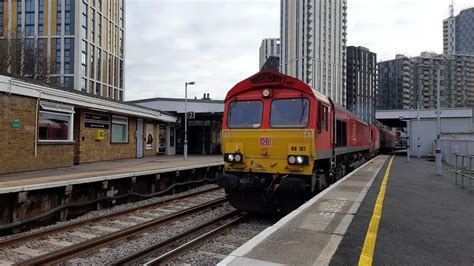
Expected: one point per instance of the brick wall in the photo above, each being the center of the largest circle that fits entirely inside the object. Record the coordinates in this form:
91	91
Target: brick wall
17	145
91	150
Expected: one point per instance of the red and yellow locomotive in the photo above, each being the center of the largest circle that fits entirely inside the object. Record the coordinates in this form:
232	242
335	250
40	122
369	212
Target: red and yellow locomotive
283	142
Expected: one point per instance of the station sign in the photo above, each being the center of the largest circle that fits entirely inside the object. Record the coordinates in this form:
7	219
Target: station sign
96	121
16	123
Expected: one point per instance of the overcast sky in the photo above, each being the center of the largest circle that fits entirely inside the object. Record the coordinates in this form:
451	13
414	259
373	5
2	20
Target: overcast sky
216	42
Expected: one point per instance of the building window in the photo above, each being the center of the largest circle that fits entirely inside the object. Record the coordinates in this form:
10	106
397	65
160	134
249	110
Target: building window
68	29
40	17
55	123
30	18
99	65
93	26
68	56
99	33
92	62
19	21
84	59
119	129
1	17
84	20
59	18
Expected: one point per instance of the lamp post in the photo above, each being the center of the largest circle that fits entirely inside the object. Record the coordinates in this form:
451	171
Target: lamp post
438	125
186	117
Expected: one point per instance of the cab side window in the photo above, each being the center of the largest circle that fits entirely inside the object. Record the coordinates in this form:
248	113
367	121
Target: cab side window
322	117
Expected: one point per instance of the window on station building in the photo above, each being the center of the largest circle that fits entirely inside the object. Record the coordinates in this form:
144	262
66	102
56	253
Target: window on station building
119	129
55	122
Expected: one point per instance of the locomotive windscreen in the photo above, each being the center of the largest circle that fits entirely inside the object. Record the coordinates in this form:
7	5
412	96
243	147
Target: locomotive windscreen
245	114
286	113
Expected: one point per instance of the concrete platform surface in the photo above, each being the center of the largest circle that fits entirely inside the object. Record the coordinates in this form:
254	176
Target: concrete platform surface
426	219
311	234
98	171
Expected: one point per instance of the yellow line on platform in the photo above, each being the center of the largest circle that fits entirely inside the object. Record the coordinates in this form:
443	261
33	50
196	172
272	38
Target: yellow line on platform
367	254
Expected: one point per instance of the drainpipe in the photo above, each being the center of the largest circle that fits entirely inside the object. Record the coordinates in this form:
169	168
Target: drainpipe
36	125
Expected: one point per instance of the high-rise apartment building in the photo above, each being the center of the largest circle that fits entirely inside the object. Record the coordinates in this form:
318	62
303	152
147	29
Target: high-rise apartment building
456	80
362	82
269	47
313	44
395	89
407	83
458	33
82	39
425	76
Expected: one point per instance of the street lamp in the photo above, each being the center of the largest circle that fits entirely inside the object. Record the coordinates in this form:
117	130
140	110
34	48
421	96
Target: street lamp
186	117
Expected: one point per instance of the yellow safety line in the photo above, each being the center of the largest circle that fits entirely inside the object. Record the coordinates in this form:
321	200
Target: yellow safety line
367	254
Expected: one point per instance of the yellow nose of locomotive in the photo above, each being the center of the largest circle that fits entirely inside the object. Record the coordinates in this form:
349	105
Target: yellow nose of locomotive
283	151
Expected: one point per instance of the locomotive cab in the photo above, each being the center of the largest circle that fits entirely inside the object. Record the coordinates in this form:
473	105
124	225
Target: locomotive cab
269	143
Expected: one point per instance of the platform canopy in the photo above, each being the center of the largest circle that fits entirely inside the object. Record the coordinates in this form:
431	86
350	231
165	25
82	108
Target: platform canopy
397	118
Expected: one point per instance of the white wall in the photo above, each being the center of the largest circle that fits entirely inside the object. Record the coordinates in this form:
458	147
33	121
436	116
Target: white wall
426	130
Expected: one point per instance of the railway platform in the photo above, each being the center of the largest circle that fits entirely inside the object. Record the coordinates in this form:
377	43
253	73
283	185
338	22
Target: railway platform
45	196
99	171
389	211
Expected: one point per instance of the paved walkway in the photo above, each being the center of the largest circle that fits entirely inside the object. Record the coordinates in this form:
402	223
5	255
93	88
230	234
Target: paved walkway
310	235
105	170
426	219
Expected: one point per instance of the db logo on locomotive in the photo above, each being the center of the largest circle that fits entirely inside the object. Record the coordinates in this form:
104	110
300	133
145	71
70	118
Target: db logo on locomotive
265	141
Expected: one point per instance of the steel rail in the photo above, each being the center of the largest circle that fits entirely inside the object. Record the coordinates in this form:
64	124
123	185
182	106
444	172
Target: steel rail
95	243
151	250
36	235
193	243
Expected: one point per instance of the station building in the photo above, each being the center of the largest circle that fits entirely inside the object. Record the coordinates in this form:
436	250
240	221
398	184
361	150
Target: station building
43	128
204	121
456	130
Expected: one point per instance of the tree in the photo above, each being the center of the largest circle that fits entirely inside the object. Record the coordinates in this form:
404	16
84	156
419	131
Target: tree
22	57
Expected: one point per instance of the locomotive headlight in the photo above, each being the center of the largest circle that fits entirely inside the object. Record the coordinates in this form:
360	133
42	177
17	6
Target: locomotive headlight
299	159
229	157
238	157
266	93
291	159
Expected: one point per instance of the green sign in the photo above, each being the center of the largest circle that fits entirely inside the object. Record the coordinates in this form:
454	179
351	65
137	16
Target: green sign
16	123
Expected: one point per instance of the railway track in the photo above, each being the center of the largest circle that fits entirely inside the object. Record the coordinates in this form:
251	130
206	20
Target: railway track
61	243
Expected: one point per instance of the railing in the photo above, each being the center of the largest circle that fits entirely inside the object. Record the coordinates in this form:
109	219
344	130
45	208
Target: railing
464	168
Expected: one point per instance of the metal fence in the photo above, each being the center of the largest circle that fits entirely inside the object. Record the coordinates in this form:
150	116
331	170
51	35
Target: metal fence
464	169
451	147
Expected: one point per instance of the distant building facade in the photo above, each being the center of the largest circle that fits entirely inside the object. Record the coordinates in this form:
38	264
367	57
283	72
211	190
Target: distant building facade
362	82
458	33
313	44
408	83
269	47
83	41
395	84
